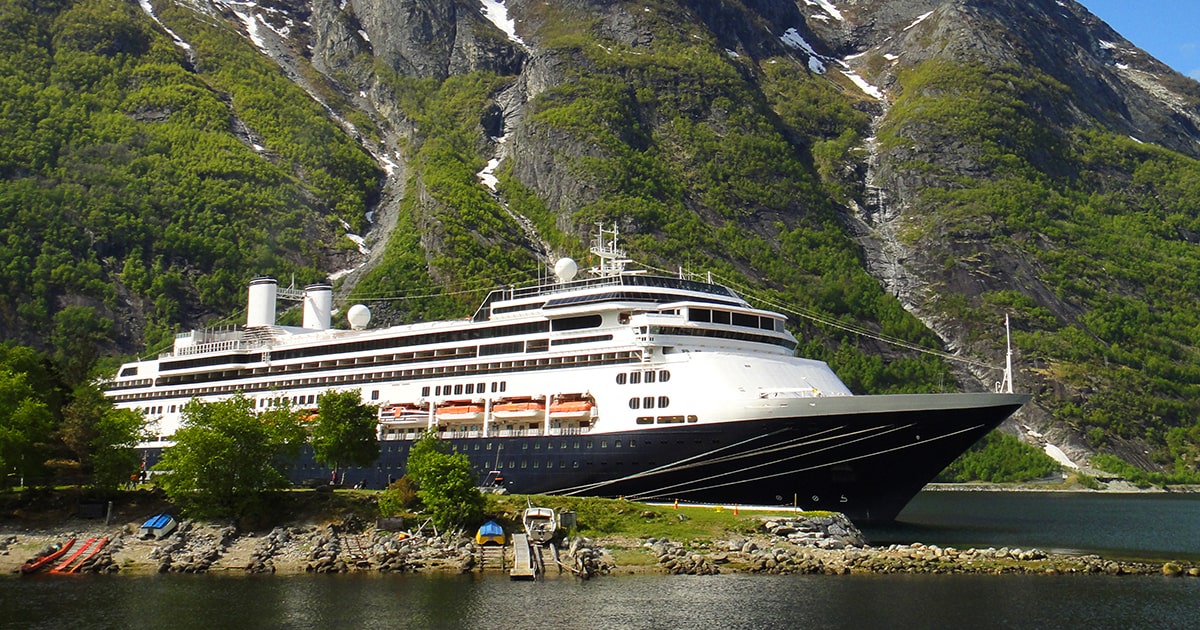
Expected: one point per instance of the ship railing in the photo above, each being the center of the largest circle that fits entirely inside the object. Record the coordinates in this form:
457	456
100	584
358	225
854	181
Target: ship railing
570	430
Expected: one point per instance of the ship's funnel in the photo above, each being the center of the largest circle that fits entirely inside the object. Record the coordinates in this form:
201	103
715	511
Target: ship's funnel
318	303
260	307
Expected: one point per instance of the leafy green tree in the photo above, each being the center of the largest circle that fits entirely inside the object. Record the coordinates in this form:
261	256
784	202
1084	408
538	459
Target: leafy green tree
345	431
226	457
25	425
101	437
445	482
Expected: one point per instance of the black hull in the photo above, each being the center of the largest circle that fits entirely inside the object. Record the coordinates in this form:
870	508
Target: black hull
865	457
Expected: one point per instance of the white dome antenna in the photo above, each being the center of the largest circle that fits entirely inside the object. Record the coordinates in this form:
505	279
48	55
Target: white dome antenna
358	316
565	269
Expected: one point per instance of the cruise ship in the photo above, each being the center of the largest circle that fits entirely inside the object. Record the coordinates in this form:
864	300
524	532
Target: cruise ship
618	384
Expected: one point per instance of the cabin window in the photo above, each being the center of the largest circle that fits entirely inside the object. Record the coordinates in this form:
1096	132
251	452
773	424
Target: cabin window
663	401
648	402
692	419
470	388
129	371
603	443
635	378
425	391
503	385
699	315
589	445
645	419
576	323
458	389
650	376
720	317
664	376
617	444
481	388
635	403
742	319
621	378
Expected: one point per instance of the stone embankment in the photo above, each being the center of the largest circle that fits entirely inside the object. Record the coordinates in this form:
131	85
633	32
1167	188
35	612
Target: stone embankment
832	545
793	545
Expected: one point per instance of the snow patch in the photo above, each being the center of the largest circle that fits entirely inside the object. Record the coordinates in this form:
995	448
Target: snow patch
250	21
890	56
920	18
792	39
1059	456
497	13
149	10
1122	66
487	176
358	240
389	166
1136	140
732	53
363	34
828	7
867	88
1107	45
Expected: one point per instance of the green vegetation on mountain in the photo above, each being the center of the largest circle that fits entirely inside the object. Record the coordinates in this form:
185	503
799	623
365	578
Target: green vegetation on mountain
123	184
1000	458
1112	225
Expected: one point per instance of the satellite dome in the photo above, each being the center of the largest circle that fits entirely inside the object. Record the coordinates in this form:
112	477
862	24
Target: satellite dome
358	316
565	269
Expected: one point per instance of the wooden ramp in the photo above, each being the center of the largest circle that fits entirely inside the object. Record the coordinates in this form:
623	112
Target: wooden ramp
523	567
492	557
88	556
66	563
355	550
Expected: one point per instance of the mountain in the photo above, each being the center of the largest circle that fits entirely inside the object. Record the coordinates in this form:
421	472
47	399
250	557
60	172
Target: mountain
909	170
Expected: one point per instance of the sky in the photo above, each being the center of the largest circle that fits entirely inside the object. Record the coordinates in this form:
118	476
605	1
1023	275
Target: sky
1167	29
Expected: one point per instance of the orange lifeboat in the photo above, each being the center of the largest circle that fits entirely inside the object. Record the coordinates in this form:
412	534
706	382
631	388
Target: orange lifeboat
459	411
518	409
575	409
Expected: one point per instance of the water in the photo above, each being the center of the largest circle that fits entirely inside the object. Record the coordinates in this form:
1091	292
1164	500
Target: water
1131	526
1142	525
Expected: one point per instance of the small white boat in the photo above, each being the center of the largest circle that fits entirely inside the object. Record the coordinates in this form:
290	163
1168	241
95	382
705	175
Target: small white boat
158	526
540	524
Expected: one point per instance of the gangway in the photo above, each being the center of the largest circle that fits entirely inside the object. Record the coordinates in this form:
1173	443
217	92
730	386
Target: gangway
523	562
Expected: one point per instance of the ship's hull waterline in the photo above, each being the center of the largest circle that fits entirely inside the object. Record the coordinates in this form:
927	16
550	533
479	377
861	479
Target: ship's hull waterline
865	456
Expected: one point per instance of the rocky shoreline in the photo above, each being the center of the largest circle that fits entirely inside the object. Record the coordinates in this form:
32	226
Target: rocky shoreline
823	544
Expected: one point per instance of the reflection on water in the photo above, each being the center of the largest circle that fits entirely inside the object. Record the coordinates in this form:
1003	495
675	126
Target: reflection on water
727	601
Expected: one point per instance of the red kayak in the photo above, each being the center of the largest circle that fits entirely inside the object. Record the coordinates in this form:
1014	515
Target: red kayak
35	565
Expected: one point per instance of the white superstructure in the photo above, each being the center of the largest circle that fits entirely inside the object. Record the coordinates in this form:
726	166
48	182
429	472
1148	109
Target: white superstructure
618	351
